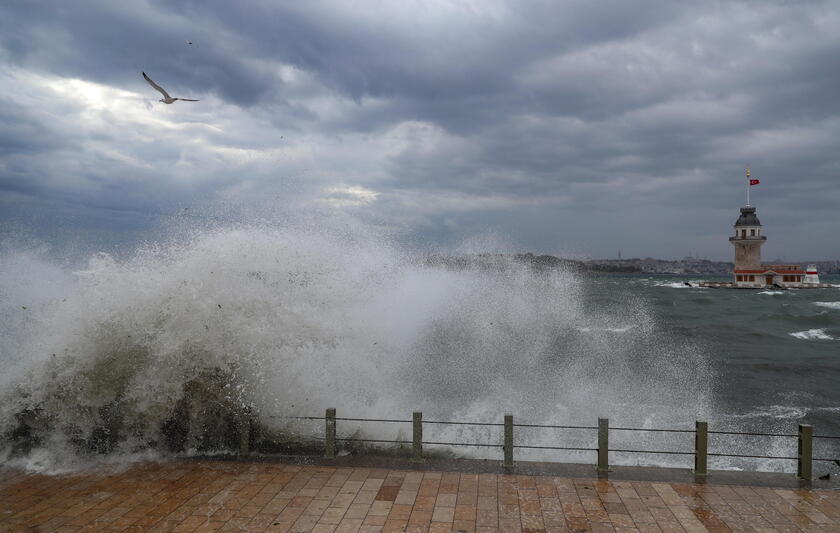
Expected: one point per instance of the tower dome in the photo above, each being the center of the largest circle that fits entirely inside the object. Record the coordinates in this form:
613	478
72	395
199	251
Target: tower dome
748	218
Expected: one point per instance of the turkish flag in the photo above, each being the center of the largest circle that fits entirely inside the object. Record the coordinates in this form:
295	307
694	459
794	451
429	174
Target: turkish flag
754	182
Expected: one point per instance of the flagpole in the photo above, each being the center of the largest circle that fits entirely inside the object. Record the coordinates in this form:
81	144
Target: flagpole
748	186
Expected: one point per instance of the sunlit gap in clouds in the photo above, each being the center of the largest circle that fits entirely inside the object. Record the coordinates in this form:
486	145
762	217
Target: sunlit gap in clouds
127	137
350	195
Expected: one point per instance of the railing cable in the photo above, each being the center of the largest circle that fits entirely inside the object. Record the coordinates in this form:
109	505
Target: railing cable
551	426
653	451
654	430
753	434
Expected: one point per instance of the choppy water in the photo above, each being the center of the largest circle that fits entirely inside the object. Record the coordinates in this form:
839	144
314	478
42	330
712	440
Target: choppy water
160	352
776	351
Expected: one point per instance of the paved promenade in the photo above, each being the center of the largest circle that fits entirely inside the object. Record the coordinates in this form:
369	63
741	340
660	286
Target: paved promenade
188	496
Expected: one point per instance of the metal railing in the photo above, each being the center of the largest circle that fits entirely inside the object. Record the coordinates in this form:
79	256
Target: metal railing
804	436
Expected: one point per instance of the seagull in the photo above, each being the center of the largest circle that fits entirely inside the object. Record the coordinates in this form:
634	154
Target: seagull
188	41
166	98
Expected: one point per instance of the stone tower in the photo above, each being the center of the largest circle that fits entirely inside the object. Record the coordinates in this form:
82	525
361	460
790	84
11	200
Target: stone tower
747	240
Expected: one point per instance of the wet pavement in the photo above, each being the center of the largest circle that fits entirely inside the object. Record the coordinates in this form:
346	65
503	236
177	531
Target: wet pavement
338	497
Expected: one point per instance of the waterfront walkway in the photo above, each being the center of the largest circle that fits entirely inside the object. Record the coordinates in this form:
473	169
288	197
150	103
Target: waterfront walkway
193	495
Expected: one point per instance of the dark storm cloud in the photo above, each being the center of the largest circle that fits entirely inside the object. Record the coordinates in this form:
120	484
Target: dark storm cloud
405	50
630	122
456	57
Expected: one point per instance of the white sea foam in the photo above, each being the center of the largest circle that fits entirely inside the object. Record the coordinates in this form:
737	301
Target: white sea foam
771	293
812	334
830	305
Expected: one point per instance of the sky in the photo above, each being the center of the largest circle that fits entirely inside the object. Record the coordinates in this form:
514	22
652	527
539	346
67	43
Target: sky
572	128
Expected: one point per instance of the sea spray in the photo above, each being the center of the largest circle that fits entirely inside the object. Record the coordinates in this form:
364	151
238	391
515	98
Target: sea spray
171	348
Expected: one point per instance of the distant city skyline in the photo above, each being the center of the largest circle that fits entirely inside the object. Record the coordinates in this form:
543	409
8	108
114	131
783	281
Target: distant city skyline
571	128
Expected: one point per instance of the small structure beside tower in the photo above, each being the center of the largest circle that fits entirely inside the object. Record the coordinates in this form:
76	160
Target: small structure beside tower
748	272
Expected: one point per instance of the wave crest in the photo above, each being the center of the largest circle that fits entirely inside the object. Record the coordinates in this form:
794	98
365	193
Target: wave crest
812	334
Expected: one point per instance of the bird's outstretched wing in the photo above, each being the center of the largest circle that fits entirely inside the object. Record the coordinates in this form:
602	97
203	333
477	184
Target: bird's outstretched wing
187	100
156	86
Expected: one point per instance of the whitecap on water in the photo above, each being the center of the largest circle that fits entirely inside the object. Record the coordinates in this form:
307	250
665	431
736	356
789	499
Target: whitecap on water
771	293
694	284
830	305
812	334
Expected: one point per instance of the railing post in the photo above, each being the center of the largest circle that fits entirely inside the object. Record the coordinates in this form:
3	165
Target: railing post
417	437
806	435
508	447
603	444
701	447
244	435
329	453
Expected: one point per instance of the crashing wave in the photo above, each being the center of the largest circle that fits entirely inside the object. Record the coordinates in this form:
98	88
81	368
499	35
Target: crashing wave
196	345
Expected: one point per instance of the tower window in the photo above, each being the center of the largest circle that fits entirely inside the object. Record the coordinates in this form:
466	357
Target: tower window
752	233
743	233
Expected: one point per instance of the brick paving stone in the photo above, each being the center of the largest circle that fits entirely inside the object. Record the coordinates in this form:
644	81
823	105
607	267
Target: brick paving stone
375	520
419	517
394	526
388	492
405	497
380	508
443	514
198	496
399	512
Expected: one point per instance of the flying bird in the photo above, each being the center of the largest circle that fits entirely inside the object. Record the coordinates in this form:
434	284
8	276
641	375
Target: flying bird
166	98
188	41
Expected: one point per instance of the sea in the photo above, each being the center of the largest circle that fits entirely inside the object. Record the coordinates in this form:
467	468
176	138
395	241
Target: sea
164	351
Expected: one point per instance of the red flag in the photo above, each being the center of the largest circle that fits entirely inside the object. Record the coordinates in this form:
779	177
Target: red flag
754	182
